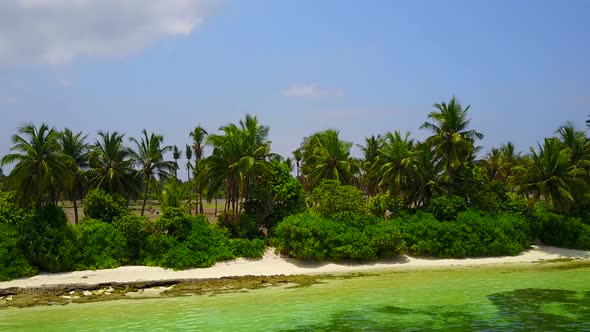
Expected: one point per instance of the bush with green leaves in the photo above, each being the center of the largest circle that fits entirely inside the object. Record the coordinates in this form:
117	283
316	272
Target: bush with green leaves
361	237
561	231
184	241
135	229
10	211
271	198
472	234
102	206
101	245
380	204
13	263
48	241
247	248
331	197
445	208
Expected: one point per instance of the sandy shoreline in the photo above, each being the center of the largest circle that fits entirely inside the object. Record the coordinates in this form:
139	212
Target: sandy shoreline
272	264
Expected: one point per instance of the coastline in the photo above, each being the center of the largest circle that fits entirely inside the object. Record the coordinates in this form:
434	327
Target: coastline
272	264
132	282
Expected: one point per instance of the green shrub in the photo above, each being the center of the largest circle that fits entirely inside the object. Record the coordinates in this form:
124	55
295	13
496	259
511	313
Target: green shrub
308	236
101	245
102	206
271	198
354	219
247	248
331	197
176	222
13	263
245	225
48	241
182	241
472	234
10	211
561	231
446	208
135	229
380	204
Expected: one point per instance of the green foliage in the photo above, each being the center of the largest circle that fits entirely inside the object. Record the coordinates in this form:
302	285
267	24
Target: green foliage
446	208
309	236
561	231
273	197
381	203
135	229
185	241
102	206
472	234
101	246
247	248
13	263
48	240
331	197
10	211
176	222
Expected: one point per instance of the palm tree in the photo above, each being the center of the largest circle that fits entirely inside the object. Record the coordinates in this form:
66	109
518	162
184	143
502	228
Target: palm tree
176	155
239	154
325	156
75	147
370	152
394	163
40	165
577	145
149	156
111	165
198	135
452	141
188	152
547	175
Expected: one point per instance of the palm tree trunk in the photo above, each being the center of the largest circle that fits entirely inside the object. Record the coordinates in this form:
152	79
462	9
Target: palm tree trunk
75	211
215	205
201	210
145	193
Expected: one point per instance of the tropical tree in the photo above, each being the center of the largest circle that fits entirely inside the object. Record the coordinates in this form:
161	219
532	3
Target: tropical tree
111	165
188	152
40	165
452	141
176	153
370	153
547	175
576	143
74	146
325	156
149	156
239	153
394	162
199	135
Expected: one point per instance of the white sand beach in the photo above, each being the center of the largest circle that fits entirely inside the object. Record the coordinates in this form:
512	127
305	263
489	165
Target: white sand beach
273	264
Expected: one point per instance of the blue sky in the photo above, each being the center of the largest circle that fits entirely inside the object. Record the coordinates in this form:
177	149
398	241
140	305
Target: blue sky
363	67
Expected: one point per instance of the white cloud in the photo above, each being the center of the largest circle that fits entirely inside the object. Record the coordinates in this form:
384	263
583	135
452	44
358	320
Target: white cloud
310	90
57	31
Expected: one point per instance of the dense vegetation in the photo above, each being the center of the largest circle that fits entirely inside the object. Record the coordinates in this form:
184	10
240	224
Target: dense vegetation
431	197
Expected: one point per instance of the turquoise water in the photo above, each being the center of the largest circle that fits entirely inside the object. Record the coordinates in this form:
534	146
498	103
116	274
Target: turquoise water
544	297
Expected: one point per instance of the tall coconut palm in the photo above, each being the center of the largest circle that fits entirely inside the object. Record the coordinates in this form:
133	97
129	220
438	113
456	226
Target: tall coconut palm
111	165
74	146
199	135
176	153
239	153
452	141
394	162
325	156
149	156
188	152
577	145
370	152
40	164
547	175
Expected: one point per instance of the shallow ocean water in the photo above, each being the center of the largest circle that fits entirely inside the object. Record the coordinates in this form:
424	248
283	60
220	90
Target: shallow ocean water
550	296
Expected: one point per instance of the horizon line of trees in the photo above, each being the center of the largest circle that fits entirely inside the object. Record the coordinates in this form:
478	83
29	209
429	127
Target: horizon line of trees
51	165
